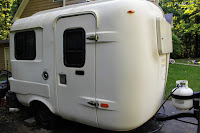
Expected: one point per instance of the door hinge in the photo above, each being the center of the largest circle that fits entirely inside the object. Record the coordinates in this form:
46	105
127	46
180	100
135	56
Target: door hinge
93	103
93	37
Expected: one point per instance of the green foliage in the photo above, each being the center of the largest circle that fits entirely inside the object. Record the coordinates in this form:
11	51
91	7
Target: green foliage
5	18
14	7
186	24
176	46
7	11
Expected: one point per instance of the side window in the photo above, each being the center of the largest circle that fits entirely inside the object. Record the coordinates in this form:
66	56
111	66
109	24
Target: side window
25	45
74	47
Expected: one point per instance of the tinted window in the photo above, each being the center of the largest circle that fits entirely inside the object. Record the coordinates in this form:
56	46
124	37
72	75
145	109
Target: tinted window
74	47
25	45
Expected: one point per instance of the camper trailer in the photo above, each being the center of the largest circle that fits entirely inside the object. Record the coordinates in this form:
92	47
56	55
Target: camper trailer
102	63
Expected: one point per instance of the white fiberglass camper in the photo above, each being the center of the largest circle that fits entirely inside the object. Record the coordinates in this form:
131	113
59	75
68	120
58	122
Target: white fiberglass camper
101	63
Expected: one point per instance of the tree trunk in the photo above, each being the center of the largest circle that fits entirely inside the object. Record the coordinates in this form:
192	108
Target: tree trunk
197	52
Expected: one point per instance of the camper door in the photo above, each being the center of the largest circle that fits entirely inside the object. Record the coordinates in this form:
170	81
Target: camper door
75	68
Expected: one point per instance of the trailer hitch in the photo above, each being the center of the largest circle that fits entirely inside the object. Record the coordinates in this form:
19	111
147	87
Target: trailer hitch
195	114
180	115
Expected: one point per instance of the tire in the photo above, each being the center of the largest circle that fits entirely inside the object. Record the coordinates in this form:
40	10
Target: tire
44	117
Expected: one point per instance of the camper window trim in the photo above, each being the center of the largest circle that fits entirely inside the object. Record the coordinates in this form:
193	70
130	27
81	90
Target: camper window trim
69	51
24	48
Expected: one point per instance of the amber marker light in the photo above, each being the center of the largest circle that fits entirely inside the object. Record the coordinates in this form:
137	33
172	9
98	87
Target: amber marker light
131	11
104	105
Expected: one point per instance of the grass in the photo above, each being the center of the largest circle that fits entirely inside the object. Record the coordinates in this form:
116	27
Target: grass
183	72
185	60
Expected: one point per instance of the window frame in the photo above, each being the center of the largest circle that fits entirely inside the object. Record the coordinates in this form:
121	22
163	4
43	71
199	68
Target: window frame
83	50
16	45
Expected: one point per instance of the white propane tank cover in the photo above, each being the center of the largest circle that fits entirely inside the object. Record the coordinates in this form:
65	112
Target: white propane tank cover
182	90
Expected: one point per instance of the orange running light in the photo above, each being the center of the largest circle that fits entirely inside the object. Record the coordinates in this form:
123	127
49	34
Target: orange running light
104	105
131	11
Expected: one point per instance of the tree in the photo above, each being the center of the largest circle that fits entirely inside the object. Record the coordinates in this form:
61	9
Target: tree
5	18
186	24
176	47
14	7
7	12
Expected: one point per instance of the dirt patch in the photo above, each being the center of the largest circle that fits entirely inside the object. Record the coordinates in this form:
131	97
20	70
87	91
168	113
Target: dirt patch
14	122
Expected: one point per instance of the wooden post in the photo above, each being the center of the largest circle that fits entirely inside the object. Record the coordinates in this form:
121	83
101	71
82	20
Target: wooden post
63	3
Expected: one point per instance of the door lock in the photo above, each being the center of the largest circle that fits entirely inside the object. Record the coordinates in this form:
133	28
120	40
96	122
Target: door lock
45	75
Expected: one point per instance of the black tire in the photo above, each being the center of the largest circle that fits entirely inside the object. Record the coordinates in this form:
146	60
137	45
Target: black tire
44	117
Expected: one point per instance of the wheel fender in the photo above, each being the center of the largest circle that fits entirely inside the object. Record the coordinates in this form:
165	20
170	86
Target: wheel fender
42	100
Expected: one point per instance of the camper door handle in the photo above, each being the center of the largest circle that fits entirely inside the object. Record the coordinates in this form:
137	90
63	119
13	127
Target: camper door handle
93	103
93	37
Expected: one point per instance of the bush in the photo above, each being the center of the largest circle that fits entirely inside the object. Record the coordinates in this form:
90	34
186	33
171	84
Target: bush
176	47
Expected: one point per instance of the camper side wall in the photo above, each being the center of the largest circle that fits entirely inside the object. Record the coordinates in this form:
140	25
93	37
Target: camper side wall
28	79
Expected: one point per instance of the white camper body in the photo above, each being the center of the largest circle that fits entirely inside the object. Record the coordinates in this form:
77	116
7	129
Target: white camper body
119	77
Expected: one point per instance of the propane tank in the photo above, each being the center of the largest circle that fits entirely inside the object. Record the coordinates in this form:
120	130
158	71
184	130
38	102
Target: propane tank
182	96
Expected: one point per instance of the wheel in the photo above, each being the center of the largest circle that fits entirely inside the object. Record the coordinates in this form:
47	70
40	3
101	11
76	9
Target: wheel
44	117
